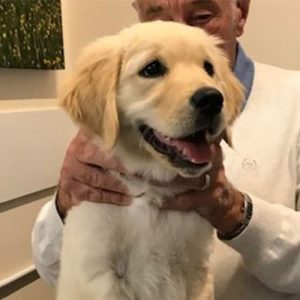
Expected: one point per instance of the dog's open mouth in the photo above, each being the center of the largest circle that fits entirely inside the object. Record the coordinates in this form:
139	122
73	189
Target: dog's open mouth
191	151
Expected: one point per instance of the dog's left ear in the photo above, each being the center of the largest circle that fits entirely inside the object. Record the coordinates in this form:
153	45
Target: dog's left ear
227	137
90	95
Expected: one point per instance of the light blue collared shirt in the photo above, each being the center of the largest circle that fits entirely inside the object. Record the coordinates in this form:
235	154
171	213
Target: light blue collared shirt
244	71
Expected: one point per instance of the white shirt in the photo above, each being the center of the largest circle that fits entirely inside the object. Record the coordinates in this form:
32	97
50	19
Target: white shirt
263	262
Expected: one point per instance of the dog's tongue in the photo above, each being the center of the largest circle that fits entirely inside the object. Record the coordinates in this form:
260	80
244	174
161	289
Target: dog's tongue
198	152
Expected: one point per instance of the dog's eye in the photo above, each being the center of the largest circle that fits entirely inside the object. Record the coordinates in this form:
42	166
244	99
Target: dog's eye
153	69
209	68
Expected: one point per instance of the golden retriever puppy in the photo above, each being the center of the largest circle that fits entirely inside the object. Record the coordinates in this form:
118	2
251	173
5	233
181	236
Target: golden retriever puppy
155	95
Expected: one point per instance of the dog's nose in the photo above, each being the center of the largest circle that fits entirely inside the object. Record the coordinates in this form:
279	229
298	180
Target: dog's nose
208	100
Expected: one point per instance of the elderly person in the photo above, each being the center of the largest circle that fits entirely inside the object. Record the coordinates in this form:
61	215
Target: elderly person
257	253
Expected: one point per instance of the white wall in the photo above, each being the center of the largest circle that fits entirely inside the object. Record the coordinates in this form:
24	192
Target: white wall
273	32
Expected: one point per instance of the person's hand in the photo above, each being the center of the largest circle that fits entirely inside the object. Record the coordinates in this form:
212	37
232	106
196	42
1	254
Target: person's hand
219	202
84	176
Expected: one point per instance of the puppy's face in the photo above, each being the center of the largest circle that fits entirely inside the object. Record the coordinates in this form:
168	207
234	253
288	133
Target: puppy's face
159	90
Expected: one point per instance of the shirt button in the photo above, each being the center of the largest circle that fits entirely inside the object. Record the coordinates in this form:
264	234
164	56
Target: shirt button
249	165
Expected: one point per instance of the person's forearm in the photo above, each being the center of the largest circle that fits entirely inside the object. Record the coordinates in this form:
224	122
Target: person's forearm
270	246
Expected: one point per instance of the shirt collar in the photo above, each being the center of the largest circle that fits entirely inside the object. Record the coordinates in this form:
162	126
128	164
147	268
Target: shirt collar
244	71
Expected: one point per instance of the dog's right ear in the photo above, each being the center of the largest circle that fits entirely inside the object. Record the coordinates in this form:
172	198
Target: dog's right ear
90	94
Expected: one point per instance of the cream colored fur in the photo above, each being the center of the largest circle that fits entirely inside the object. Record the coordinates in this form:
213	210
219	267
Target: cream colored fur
140	252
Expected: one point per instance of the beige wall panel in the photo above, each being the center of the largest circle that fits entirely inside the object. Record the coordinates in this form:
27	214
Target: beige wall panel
37	290
15	232
273	32
33	138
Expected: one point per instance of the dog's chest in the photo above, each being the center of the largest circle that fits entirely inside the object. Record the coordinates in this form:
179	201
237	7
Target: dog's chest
145	252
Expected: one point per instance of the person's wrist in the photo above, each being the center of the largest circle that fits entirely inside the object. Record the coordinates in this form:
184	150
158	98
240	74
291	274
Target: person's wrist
229	212
246	211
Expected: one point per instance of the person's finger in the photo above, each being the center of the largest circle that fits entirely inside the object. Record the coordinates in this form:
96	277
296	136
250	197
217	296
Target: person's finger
189	183
202	201
81	192
91	154
85	149
98	178
183	202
